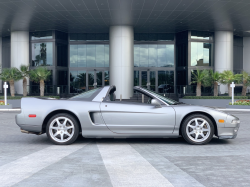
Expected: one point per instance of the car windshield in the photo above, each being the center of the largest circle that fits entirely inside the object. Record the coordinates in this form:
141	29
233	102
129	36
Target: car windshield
87	95
165	99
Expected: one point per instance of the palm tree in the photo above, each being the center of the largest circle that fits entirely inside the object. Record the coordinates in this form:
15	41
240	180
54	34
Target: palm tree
40	75
11	75
214	78
246	82
200	77
25	74
227	77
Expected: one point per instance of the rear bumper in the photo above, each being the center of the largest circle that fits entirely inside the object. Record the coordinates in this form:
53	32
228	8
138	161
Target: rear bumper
21	122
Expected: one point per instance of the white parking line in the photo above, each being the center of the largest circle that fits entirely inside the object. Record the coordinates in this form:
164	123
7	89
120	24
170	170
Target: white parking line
24	167
126	167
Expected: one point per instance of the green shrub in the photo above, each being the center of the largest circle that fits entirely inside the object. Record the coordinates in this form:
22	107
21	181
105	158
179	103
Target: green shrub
20	97
213	97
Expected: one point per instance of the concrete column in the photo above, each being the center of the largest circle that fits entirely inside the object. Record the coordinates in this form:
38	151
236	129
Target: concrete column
19	53
1	66
246	54
121	55
223	53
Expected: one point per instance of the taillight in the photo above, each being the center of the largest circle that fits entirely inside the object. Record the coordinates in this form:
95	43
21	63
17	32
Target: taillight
32	115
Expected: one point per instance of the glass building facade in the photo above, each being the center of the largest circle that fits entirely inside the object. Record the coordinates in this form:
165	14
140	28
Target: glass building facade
80	61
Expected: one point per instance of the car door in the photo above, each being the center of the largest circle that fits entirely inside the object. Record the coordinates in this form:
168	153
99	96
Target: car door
138	118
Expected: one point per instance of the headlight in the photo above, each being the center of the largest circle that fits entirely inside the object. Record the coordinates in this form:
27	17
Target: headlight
235	121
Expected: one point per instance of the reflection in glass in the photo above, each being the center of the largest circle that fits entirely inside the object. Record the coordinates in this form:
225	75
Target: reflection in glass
77	81
152	80
106	78
136	55
91	79
144	79
41	35
73	55
99	78
201	54
106	55
162	56
165	81
143	55
100	56
81	54
152	55
170	55
81	78
91	56
42	54
136	78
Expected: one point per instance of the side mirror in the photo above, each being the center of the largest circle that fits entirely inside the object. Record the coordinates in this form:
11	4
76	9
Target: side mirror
156	103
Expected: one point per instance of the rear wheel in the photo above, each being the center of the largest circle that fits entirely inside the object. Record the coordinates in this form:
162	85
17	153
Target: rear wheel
62	129
197	129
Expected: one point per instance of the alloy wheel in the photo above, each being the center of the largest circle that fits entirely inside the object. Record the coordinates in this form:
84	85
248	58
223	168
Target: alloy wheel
61	129
198	129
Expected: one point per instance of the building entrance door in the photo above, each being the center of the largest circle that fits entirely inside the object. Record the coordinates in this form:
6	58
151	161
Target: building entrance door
97	78
147	79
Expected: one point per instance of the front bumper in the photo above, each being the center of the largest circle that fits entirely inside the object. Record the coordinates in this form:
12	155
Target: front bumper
229	132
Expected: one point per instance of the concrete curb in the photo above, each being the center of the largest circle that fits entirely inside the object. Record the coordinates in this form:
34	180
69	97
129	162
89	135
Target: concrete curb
233	109
11	110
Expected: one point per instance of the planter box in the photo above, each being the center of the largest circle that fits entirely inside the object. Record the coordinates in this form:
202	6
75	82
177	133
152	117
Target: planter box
6	106
221	103
238	106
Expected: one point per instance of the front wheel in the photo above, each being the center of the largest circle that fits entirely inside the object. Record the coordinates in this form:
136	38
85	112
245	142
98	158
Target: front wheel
197	129
62	129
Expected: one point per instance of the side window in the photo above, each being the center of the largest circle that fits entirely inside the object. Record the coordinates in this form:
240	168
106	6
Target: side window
140	98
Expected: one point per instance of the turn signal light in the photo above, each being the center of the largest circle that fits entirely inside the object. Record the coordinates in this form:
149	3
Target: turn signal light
221	120
32	115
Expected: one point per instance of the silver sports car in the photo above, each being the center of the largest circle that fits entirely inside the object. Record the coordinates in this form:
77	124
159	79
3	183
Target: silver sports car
98	114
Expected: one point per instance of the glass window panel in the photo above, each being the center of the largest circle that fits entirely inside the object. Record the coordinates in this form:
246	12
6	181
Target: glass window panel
91	52
99	55
162	82
41	35
73	81
81	55
144	79
152	80
99	78
106	78
152	55
162	56
143	55
170	55
200	54
136	55
81	78
42	54
136	78
49	54
73	55
91	78
106	55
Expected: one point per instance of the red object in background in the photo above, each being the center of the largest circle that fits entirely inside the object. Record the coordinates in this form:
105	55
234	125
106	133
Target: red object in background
32	115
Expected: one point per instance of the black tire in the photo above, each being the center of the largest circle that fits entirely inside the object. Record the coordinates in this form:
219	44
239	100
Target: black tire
71	123
191	138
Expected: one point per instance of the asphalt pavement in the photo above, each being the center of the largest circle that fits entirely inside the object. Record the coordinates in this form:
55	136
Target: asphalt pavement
31	160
